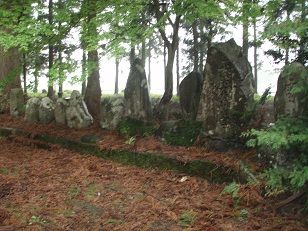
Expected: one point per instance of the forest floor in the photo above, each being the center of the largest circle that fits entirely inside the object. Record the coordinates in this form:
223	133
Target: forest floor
60	189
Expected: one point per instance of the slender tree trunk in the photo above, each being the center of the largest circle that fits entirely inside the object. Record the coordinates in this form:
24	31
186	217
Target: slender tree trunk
61	74
286	61
178	70
132	54
195	45
93	89
169	76
116	84
143	45
255	55
303	39
165	63
24	72
202	46
35	73
60	48
245	28
149	64
50	92
84	72
209	37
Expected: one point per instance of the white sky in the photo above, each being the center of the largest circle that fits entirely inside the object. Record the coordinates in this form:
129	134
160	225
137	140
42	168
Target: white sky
267	74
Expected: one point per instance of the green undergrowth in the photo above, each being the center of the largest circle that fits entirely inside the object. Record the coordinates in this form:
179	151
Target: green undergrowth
184	133
132	127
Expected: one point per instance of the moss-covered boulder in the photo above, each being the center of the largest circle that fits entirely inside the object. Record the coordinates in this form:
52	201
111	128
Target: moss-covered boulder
290	99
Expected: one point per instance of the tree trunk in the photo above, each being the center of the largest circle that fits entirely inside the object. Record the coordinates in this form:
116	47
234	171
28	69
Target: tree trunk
302	53
245	28
132	54
84	71
178	71
10	69
116	84
286	61
93	90
168	76
24	72
195	46
165	54
203	48
35	73
61	74
50	92
255	55
149	64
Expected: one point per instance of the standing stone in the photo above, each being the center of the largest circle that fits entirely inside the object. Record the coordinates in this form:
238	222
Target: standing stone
60	111
111	112
227	90
4	102
32	110
16	102
136	95
77	114
287	103
46	110
190	92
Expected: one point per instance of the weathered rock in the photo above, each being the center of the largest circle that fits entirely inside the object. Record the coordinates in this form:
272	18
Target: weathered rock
16	102
137	103
112	111
46	111
287	103
4	103
190	92
227	90
77	114
60	111
32	110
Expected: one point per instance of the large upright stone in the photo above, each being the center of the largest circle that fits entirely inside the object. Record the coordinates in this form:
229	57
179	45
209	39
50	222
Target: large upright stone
32	110
136	95
111	112
16	102
227	90
289	102
190	92
46	110
60	111
77	114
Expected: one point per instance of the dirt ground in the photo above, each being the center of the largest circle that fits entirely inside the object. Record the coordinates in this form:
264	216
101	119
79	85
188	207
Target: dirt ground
58	189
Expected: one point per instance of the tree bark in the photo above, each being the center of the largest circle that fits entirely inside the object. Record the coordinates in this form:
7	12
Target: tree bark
84	72
61	74
132	54
255	55
286	61
93	89
195	46
24	72
302	53
245	28
149	64
10	69
178	71
50	92
116	84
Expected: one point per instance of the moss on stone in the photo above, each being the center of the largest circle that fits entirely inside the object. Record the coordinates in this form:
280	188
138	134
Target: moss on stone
131	127
184	133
